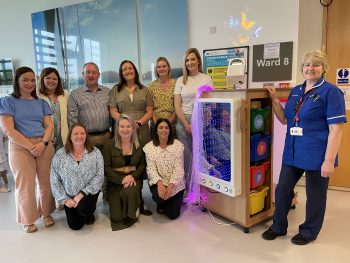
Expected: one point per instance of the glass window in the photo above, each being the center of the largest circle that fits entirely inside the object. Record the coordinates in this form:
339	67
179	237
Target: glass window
163	32
107	32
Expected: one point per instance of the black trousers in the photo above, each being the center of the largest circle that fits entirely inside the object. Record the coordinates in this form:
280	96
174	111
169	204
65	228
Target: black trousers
316	193
172	206
76	216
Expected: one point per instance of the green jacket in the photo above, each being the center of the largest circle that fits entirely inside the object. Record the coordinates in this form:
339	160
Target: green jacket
113	158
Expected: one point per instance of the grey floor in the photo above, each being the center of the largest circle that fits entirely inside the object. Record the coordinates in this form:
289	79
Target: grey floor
194	237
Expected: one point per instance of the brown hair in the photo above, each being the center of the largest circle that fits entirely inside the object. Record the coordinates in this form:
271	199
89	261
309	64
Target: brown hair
200	64
122	81
69	145
18	73
42	89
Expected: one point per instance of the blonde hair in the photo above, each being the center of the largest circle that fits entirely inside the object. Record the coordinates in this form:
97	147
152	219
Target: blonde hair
134	140
316	56
156	64
200	64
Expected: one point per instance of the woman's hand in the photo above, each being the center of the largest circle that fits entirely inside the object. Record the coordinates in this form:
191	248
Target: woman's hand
188	128
172	118
37	149
169	191
327	169
70	203
272	92
77	198
161	189
128	181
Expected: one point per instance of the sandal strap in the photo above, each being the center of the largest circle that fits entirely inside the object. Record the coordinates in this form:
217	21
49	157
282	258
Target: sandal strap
48	221
30	228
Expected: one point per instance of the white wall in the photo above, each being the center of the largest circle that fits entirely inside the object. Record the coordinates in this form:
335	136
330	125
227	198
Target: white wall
310	30
278	19
281	20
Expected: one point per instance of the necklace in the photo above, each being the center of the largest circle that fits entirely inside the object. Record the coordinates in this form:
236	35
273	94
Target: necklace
78	155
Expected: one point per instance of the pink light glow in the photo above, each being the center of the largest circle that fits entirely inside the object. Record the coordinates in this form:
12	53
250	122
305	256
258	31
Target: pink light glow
194	196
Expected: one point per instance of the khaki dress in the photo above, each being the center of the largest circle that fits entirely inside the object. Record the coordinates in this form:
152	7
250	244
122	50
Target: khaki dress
135	108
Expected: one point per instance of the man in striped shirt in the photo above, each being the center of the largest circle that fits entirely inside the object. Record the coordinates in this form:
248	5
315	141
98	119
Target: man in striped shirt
89	105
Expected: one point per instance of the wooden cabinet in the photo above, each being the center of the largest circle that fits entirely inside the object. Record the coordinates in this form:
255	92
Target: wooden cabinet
237	209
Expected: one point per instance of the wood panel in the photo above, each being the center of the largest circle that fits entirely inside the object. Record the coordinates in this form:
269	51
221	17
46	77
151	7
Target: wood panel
336	40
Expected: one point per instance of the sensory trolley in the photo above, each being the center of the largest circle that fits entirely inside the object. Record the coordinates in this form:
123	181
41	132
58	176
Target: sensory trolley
236	155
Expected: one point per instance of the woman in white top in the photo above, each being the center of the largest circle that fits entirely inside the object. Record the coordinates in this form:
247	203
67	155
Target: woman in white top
185	92
165	159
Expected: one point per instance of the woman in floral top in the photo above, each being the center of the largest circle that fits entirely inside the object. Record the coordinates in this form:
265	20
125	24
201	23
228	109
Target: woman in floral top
165	169
76	177
162	91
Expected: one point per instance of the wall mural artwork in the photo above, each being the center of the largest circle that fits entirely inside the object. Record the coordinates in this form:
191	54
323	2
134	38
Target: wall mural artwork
245	28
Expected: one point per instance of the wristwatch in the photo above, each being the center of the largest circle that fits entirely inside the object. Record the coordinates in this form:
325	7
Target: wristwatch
46	143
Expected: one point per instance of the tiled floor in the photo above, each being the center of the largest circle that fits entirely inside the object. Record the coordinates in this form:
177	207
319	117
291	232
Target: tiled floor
194	237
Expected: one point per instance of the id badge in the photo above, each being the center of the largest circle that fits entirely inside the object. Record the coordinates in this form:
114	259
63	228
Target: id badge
296	131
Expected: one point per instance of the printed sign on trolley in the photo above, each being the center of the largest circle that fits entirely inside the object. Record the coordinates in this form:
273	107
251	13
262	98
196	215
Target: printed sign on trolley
217	62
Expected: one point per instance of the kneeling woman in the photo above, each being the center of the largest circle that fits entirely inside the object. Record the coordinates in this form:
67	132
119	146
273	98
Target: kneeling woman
165	169
77	176
124	166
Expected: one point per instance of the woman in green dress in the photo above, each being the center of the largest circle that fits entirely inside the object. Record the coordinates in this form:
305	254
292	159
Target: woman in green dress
124	164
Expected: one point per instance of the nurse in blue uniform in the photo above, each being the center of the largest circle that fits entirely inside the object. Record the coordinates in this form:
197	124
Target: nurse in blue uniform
314	114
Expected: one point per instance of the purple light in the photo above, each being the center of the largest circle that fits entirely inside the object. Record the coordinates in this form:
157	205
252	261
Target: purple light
194	196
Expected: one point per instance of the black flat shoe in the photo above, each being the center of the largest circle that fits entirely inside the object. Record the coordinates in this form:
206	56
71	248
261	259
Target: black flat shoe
298	239
269	234
145	212
89	220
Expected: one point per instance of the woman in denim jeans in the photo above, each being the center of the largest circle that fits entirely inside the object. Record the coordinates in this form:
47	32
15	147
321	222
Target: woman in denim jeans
185	92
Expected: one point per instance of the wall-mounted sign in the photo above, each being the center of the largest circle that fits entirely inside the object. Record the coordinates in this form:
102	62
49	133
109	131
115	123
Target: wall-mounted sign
216	62
343	76
272	62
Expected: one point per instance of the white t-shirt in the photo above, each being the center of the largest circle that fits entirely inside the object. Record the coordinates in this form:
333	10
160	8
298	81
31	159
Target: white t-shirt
188	90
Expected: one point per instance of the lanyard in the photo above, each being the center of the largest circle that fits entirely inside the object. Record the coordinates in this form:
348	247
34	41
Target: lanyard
300	103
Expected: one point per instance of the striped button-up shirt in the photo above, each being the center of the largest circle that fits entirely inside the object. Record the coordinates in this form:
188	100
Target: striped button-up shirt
89	108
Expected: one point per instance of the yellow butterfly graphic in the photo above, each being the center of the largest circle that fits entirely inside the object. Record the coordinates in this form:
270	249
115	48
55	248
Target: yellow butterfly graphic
243	39
245	23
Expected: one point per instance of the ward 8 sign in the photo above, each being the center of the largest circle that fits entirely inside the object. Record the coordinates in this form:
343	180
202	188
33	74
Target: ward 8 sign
343	76
272	62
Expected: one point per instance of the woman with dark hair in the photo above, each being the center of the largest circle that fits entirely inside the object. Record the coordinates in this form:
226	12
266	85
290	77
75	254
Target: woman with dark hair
76	177
165	169
51	90
129	96
124	167
162	91
26	120
184	95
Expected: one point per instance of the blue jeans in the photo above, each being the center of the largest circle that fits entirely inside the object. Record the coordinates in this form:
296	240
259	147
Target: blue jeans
186	139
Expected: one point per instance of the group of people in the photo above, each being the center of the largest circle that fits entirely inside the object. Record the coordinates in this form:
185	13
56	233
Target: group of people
69	147
64	146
